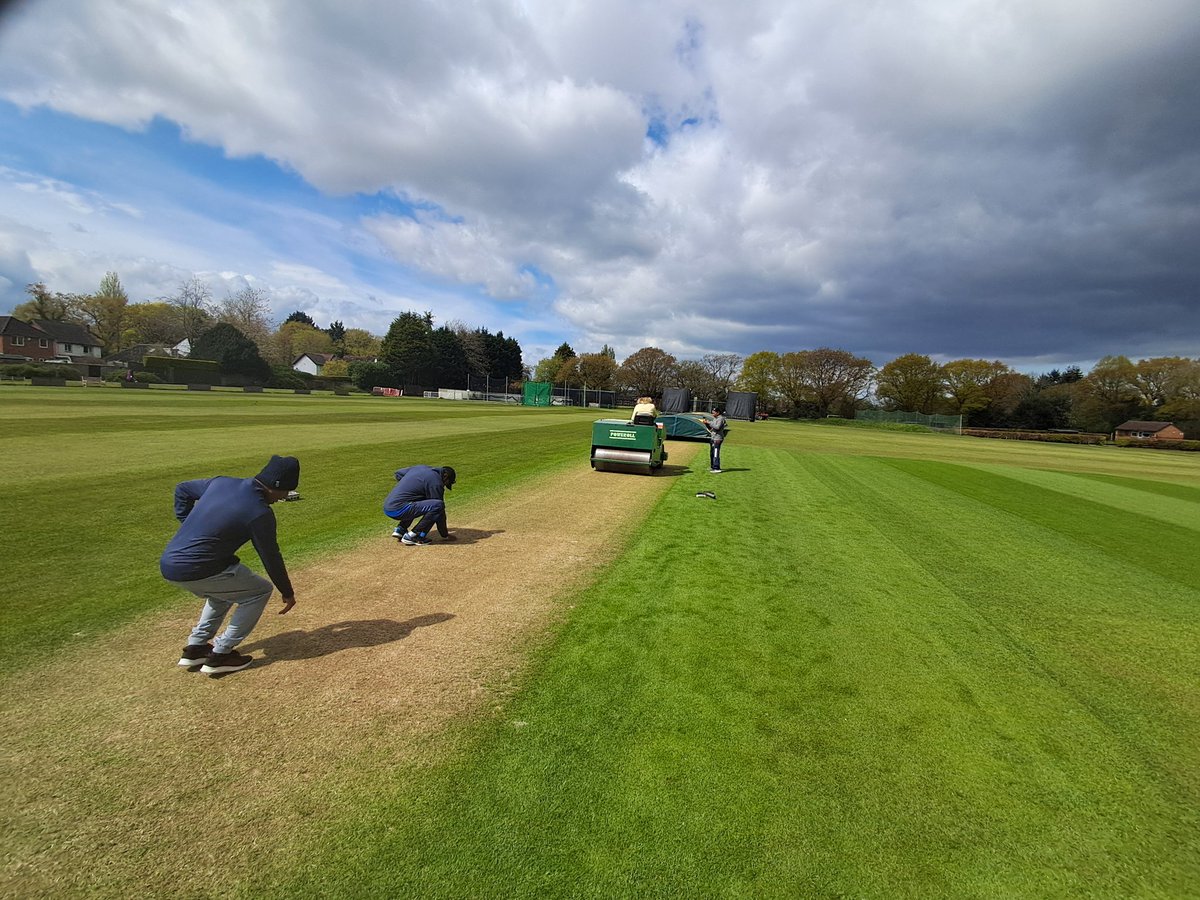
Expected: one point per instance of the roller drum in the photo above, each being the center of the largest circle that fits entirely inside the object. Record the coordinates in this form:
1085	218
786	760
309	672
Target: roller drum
608	459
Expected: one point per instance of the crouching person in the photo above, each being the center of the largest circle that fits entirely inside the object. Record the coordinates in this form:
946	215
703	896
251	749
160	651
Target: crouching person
419	494
217	516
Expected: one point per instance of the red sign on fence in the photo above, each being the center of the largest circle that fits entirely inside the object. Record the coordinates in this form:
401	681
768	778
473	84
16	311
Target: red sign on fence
386	392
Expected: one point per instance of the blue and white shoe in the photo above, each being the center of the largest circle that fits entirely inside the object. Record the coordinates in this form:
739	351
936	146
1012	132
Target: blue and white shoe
412	539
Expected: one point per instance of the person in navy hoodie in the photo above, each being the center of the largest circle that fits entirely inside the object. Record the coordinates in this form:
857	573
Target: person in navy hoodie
217	516
420	492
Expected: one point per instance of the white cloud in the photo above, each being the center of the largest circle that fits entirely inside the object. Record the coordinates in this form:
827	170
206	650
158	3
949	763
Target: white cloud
868	175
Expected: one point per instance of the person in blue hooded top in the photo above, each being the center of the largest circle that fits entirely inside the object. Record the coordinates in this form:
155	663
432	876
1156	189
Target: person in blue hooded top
217	516
420	493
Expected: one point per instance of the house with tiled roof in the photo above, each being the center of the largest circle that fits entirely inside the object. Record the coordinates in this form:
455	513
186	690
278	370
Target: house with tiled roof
71	340
311	363
1149	431
21	341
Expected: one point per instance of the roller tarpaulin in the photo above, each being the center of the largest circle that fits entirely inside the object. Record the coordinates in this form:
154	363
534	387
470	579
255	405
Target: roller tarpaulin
677	400
741	405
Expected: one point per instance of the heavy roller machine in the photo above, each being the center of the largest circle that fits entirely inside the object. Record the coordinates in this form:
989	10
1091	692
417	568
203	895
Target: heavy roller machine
620	446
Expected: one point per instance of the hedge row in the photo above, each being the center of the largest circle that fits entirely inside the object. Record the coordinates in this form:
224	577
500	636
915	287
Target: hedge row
1047	436
33	370
183	370
1158	445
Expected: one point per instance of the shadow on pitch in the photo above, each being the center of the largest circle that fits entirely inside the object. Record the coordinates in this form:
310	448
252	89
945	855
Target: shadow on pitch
669	471
469	535
339	636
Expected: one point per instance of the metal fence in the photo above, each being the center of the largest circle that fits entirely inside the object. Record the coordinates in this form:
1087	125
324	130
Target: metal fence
940	423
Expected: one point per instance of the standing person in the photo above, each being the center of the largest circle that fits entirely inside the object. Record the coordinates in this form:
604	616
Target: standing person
419	491
716	427
217	516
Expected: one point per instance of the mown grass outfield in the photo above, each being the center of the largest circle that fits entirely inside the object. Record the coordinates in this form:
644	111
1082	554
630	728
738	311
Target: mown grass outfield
881	664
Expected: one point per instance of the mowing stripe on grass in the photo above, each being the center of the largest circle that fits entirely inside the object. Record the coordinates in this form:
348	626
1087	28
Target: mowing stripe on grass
1176	504
828	682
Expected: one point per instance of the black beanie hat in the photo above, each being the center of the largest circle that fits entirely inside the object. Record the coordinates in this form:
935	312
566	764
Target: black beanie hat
448	477
281	473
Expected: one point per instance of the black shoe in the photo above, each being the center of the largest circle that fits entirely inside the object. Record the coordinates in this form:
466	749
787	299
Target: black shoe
223	663
194	655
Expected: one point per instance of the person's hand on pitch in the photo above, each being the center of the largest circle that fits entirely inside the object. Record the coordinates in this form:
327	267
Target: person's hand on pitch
288	603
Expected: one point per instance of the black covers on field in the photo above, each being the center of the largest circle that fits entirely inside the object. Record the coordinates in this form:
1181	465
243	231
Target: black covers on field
741	405
677	400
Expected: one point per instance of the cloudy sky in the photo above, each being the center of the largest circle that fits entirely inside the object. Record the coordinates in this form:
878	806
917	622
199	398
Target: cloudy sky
1009	179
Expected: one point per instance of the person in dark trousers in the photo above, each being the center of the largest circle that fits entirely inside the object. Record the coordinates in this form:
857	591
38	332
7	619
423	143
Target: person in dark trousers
716	427
217	516
419	491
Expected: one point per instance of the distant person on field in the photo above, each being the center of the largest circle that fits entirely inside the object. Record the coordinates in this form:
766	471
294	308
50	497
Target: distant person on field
419	491
644	412
217	516
716	427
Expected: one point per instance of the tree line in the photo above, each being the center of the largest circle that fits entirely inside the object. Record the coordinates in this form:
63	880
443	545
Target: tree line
829	381
237	331
804	383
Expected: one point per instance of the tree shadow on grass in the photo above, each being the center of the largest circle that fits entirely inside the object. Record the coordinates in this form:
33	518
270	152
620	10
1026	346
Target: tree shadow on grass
299	644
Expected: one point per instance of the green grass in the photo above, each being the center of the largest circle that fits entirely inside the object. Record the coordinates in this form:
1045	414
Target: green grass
849	676
881	664
89	476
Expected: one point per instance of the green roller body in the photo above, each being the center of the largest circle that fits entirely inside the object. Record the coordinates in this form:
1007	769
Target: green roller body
618	446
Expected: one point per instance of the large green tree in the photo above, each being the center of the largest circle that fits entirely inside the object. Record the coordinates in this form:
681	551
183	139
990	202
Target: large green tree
407	348
449	359
830	380
912	382
302	317
1108	396
760	375
966	382
233	351
647	372
105	312
156	322
597	371
1159	380
294	338
44	304
552	368
361	343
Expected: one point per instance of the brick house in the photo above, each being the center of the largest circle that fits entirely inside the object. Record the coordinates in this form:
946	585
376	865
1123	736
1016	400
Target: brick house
70	340
1149	431
19	338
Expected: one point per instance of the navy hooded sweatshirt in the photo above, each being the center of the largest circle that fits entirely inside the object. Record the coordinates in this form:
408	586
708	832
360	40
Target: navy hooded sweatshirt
217	516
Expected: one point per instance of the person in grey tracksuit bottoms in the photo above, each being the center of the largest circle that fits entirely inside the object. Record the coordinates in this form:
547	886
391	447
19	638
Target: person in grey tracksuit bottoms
716	427
420	492
216	517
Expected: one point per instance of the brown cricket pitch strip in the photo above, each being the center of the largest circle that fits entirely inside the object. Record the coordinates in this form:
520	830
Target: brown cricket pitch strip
115	760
